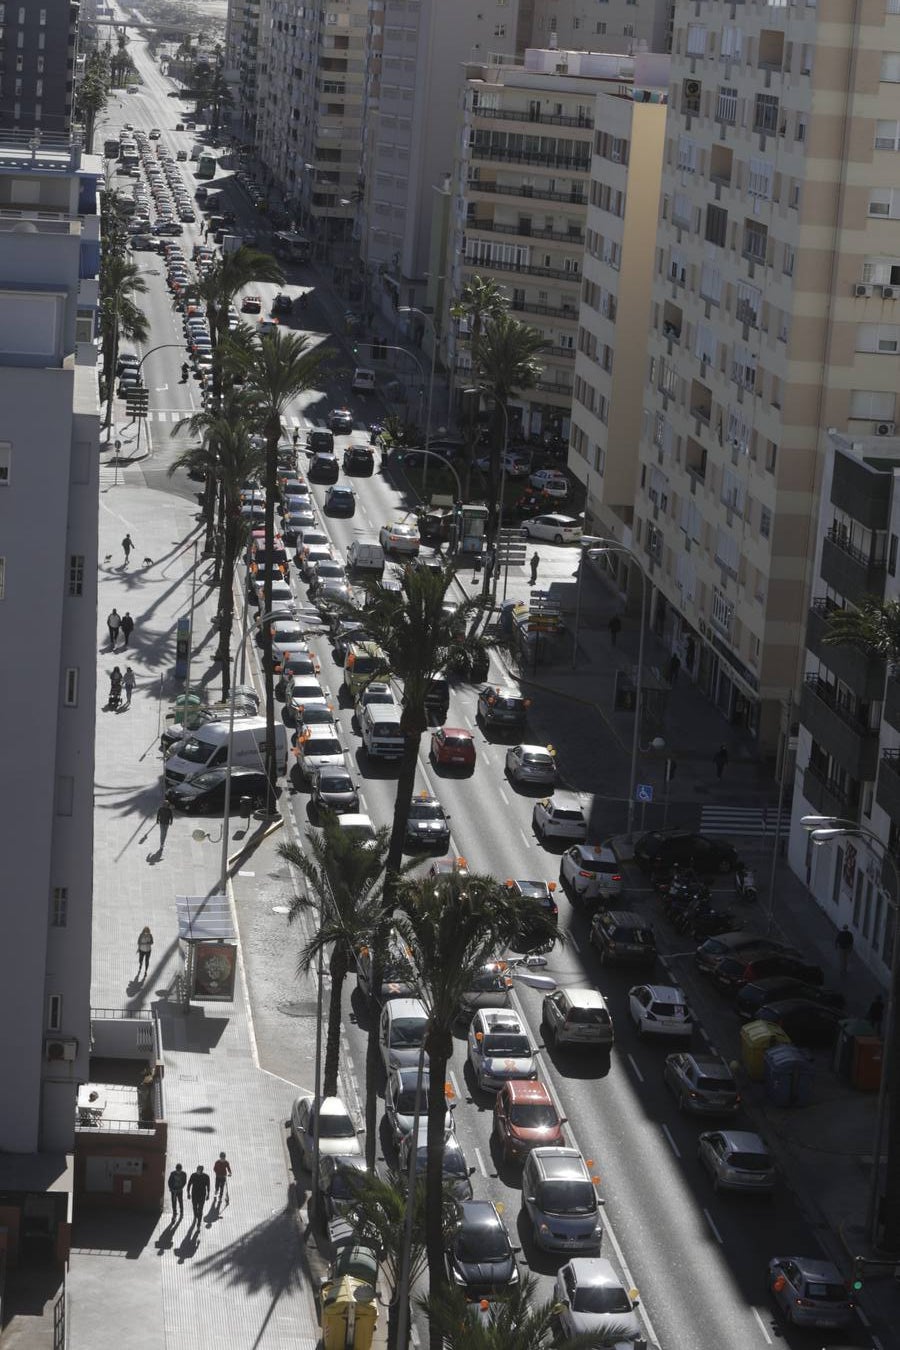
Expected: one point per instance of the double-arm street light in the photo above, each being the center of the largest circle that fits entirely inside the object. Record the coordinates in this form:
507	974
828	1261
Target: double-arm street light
884	1203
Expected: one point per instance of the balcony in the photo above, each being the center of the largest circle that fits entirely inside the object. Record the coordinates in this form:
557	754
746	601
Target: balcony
572	163
551	311
887	793
524	269
840	730
891	710
525	115
864	674
848	570
576	196
828	798
522	231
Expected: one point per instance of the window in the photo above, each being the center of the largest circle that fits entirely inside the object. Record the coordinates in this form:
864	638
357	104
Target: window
687	154
42	17
2	578
887	135
765	114
54	1012
76	574
756	239
722	612
696	39
759	183
728	550
726	105
500	30
743	366
890	67
59	907
70	687
878	337
732	43
872	405
787	265
716	225
711	283
601	28
734	491
765	522
884	202
21	14
706	346
749	299
5	460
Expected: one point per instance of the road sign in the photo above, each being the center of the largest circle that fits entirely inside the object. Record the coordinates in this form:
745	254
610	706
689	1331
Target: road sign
644	793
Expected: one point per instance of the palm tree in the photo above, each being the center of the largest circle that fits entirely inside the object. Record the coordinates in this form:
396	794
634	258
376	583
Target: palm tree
91	96
235	459
479	299
419	638
504	356
277	370
343	887
516	1322
120	280
873	627
451	930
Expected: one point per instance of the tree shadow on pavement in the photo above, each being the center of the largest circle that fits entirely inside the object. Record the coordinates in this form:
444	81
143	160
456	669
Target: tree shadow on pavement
269	1257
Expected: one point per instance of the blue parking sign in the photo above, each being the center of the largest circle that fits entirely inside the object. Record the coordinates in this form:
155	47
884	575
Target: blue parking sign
644	792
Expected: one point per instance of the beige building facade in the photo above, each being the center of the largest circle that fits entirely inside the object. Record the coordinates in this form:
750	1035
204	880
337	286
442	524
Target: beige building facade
772	320
627	26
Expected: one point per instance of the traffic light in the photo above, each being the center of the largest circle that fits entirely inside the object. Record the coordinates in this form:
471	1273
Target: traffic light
355	350
856	1282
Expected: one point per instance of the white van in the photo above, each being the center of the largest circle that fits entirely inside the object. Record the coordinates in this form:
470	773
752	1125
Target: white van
365	555
207	748
382	735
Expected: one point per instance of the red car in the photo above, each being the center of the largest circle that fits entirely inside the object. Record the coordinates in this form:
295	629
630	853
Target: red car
453	746
525	1118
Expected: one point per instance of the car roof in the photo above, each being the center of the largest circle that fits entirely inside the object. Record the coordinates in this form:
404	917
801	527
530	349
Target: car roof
521	1090
815	1269
568	801
406	1007
780	1006
713	1066
665	993
602	851
500	1019
558	1161
586	998
744	1141
594	1270
456	731
625	918
528	749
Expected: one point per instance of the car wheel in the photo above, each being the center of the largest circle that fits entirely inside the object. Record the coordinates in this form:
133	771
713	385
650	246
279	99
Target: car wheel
557	539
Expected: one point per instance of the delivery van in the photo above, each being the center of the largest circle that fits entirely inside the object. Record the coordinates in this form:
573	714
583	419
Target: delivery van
364	661
365	555
382	735
207	748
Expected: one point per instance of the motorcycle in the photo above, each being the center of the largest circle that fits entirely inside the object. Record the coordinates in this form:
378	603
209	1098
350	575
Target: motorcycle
745	884
185	372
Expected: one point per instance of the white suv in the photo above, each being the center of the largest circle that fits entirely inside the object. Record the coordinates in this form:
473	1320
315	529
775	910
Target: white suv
559	817
590	872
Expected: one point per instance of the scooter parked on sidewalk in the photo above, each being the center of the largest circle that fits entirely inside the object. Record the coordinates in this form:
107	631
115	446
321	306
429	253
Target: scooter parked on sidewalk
745	883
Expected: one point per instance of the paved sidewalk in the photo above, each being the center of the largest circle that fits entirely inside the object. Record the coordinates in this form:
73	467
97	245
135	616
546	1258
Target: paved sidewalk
133	1279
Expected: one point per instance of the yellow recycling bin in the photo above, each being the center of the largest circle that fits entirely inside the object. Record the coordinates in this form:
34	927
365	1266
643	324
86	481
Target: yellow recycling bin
349	1313
756	1038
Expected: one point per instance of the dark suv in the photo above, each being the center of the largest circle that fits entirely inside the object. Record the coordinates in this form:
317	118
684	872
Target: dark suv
623	936
359	459
659	851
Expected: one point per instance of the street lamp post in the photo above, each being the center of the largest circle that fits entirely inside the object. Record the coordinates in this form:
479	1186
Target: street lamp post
822	829
585	544
412	309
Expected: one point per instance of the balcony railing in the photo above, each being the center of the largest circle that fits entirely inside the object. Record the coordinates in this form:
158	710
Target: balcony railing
576	163
525	269
542	119
552	311
575	237
863	673
841	729
850	571
575	196
828	797
887	793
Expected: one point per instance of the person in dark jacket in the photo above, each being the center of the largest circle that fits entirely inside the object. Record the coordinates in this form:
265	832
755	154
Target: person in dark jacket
198	1191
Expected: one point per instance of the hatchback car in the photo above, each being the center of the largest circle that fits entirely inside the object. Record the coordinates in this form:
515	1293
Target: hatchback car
559	817
501	708
323	468
359	459
401	1031
499	1048
555	529
550	481
531	765
400	1093
337	1131
737	1160
660	850
525	1118
592	1299
623	937
205	793
733	972
481	1260
453	748
251	304
399	537
457	1172
774	987
660	1010
540	899
710	952
427	825
810	1292
339	1177
590	872
489	988
577	1017
333	789
318	748
340	500
340	421
702	1083
559	1200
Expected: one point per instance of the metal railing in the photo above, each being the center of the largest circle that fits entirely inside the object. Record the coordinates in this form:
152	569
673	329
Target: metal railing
552	311
828	695
839	538
576	238
525	269
574	198
577	163
542	119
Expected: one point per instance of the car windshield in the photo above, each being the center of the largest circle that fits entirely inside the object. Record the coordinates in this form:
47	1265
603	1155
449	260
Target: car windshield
336	1127
205	780
335	783
601	1298
533	1116
425	811
322	745
194	751
378	696
365	665
454	1162
489	980
749	1162
456	741
407	1031
508	1044
285	633
486	1243
567	1197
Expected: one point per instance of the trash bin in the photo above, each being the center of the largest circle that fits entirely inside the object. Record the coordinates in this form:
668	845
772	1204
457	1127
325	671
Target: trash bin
868	1059
349	1313
788	1076
756	1038
849	1029
358	1262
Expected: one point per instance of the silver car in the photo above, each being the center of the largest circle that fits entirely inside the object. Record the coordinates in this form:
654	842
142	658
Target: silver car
702	1083
737	1160
531	764
810	1292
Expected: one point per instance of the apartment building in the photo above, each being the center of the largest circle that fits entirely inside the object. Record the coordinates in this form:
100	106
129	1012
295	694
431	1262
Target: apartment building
770	324
525	146
620	247
627	26
49	433
38	43
848	745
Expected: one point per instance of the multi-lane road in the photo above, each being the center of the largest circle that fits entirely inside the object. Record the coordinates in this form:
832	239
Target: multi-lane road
698	1259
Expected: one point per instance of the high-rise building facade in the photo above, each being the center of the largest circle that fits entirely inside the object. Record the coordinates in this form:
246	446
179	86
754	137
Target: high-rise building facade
628	26
49	432
772	320
38	44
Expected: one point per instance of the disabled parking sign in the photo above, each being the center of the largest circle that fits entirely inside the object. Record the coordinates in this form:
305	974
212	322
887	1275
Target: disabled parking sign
644	793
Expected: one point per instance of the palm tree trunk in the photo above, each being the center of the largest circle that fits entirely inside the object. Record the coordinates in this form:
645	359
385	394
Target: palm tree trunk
219	541
392	1327
440	1047
271	486
406	781
226	601
373	1050
337	966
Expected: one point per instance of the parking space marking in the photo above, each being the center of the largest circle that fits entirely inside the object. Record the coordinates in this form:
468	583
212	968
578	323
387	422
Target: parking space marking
525	838
762	1325
480	1162
503	796
675	1149
634	1068
709	1219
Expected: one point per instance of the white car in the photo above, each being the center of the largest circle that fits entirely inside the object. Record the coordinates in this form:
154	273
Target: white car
590	872
318	747
559	817
660	1010
399	538
591	1299
337	1132
499	1049
401	1031
556	529
550	481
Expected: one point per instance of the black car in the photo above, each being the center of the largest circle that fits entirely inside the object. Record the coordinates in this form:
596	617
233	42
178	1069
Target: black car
501	709
340	420
427	826
323	468
340	500
282	304
774	988
807	1023
437	698
481	1259
622	936
205	793
734	971
359	459
661	850
320	442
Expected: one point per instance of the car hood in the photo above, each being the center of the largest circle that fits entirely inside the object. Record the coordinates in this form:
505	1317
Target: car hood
339	801
508	1066
543	1135
489	1274
344	1146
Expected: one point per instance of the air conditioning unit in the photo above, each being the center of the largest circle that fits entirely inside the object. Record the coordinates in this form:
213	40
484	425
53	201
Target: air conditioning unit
888	292
861	290
884	428
61	1048
692	88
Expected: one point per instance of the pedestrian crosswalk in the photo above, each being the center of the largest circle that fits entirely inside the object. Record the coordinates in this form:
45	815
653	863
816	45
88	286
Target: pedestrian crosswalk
172	415
745	821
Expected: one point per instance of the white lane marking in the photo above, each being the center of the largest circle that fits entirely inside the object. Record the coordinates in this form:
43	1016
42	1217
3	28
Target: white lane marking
525	837
503	796
246	874
635	1070
709	1219
762	1325
480	1162
675	1149
486	756
455	1086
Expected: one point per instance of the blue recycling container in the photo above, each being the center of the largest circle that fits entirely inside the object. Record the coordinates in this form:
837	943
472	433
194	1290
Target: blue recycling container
788	1076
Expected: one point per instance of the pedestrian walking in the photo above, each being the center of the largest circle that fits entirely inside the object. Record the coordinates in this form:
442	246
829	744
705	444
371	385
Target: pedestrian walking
535	564
113	623
177	1183
672	669
144	948
615	628
198	1191
844	944
720	759
127	626
222	1169
164	818
115	687
490	559
296	437
127	546
128	682
875	1015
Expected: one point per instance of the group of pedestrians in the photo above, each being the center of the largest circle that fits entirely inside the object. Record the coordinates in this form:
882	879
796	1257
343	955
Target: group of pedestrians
119	623
197	1186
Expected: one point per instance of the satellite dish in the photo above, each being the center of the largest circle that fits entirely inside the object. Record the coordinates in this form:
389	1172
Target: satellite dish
364	1293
